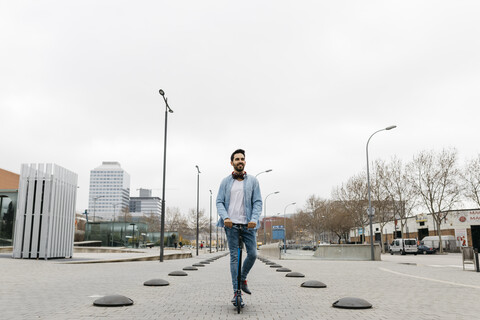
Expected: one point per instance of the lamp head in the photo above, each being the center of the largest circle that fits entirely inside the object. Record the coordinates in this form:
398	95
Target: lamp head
277	192
161	92
390	128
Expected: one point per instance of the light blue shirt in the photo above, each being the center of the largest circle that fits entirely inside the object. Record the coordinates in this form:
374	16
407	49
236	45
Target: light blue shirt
251	195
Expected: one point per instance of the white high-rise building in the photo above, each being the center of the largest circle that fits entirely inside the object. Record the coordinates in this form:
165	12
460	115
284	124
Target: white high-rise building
109	191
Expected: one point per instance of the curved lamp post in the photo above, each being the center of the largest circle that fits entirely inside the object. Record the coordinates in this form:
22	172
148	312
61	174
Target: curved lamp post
285	225
198	188
370	213
162	224
269	170
95	205
265	217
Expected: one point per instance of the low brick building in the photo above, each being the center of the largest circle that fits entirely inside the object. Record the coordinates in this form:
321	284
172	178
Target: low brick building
9	182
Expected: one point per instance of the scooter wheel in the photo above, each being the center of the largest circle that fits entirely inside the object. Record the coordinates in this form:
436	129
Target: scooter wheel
239	303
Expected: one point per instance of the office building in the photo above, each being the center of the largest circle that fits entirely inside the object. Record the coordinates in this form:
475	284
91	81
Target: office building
145	204
109	191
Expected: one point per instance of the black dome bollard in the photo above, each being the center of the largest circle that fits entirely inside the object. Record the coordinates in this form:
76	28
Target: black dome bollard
283	270
198	265
178	273
352	303
190	268
156	283
295	275
113	301
275	266
313	284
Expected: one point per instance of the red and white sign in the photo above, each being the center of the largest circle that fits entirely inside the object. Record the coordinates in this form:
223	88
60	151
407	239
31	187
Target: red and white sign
474	216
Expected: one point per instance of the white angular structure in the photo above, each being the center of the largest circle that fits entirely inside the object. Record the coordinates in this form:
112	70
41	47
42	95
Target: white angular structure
45	220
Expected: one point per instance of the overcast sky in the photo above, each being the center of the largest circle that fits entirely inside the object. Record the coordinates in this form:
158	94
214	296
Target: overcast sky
300	85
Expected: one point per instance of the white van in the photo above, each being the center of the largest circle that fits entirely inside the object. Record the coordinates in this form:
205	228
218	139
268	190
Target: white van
449	243
404	246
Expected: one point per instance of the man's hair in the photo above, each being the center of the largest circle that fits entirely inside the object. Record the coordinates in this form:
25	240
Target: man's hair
237	151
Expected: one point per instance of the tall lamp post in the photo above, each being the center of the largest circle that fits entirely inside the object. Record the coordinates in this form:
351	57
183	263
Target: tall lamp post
285	225
133	234
210	221
95	205
370	213
114	212
162	224
265	217
198	188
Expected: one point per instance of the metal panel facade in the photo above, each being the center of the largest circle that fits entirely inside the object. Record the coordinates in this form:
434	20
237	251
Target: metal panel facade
45	220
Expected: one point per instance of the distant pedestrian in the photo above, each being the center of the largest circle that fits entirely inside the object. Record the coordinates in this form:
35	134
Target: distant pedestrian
201	245
175	244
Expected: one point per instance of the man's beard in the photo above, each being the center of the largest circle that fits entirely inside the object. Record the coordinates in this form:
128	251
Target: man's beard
238	169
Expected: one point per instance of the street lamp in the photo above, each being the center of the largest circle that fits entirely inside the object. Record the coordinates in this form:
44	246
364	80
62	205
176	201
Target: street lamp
162	224
133	234
198	188
114	211
95	205
210	221
269	170
285	225
265	217
370	213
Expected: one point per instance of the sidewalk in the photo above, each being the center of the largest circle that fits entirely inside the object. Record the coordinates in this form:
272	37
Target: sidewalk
398	288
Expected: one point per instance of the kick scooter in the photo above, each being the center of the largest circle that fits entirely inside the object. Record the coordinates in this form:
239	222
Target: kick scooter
238	294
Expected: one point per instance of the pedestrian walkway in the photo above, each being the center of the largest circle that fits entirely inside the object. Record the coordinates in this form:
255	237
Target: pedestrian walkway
397	289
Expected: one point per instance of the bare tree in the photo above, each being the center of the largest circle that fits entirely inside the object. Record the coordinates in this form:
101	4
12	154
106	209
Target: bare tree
380	197
471	180
173	218
398	184
153	222
353	197
203	222
338	220
311	218
436	183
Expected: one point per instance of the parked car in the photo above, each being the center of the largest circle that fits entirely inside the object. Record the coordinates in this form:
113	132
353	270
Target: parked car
404	246
308	247
426	249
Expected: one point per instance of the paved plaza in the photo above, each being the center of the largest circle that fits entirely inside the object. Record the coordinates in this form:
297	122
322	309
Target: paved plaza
398	287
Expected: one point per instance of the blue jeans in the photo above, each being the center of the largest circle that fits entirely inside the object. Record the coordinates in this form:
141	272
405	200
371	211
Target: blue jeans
249	237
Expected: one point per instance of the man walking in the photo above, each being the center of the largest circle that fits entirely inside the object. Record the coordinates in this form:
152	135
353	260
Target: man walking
239	204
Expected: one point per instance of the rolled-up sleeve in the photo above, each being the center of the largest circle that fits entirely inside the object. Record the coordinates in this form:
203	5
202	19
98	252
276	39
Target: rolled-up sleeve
257	203
221	205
